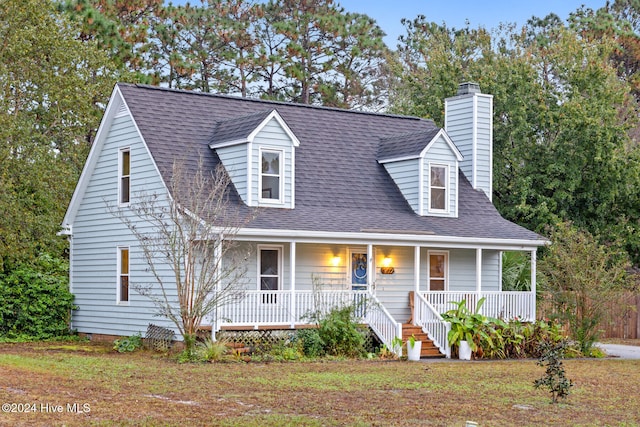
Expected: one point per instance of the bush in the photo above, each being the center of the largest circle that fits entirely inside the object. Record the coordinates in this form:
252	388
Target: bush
339	333
310	343
128	344
211	351
516	339
554	379
35	300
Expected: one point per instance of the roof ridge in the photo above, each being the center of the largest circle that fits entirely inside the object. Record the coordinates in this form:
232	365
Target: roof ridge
271	102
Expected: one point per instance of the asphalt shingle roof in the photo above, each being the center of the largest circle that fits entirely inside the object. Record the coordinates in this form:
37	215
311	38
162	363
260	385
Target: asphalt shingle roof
237	128
340	186
406	144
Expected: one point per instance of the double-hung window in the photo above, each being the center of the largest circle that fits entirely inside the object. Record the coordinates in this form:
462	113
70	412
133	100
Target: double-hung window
123	275
124	175
271	179
438	188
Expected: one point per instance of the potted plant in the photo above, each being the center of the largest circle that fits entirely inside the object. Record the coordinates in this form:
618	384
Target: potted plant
465	326
414	348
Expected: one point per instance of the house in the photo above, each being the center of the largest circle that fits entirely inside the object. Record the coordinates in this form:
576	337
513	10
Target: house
390	207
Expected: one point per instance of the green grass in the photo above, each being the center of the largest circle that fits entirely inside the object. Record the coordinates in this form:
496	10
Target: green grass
145	389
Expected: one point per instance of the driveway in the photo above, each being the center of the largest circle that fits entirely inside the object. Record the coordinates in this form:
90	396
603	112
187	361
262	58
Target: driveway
621	351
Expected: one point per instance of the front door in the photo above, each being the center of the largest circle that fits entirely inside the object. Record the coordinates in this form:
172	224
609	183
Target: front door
358	270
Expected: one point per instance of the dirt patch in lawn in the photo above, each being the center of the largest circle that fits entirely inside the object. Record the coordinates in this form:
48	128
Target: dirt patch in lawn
89	384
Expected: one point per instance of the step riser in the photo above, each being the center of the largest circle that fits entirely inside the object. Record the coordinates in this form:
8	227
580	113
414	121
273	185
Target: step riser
428	348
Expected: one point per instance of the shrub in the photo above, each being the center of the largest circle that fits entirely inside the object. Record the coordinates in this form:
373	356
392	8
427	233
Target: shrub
211	351
555	379
310	343
339	332
35	300
128	344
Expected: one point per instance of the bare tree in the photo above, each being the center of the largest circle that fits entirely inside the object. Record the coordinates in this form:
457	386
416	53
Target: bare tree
192	233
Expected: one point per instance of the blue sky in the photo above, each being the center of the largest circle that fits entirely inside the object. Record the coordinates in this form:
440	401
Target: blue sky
485	13
488	13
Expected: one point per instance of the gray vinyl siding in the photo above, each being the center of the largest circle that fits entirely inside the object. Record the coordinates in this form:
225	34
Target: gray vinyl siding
405	174
272	136
491	271
97	234
461	113
393	289
234	159
462	269
485	146
440	154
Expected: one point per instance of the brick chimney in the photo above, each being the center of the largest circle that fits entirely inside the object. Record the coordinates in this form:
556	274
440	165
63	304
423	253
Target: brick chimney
469	122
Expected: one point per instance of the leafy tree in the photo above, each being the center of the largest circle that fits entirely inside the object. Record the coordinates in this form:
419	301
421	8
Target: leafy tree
358	63
192	234
35	301
120	27
582	278
52	88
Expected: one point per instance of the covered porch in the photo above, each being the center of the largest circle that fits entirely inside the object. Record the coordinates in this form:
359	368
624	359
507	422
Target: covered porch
290	283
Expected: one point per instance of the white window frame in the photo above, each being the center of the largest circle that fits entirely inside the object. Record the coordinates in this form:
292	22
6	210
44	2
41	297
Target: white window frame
281	154
447	188
446	268
121	176
119	275
280	249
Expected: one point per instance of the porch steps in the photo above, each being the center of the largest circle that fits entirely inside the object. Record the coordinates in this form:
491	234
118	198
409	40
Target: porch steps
429	350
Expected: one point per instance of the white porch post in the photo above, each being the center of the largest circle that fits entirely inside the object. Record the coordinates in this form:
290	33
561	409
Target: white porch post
478	275
370	272
534	264
217	255
416	268
292	279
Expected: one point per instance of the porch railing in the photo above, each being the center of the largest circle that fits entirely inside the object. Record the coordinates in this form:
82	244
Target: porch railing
256	308
384	325
426	316
501	305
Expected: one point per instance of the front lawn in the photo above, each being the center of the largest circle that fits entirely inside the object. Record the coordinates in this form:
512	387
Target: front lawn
82	384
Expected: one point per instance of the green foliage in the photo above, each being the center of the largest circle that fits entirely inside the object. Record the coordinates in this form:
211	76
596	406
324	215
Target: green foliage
211	351
516	339
581	278
311	345
128	344
53	89
35	300
554	380
467	325
339	333
516	271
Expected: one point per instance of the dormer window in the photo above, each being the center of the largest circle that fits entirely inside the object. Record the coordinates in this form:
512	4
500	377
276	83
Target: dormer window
271	172
438	188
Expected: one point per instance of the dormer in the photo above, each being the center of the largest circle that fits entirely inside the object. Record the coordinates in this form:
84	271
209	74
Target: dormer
258	152
424	166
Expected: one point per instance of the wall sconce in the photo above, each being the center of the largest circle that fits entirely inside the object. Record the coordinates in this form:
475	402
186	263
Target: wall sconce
335	261
386	266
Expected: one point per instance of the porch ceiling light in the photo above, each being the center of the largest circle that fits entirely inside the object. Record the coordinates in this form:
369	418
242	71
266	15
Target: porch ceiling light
387	268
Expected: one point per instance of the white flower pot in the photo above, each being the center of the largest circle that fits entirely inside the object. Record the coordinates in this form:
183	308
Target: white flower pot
413	353
464	351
